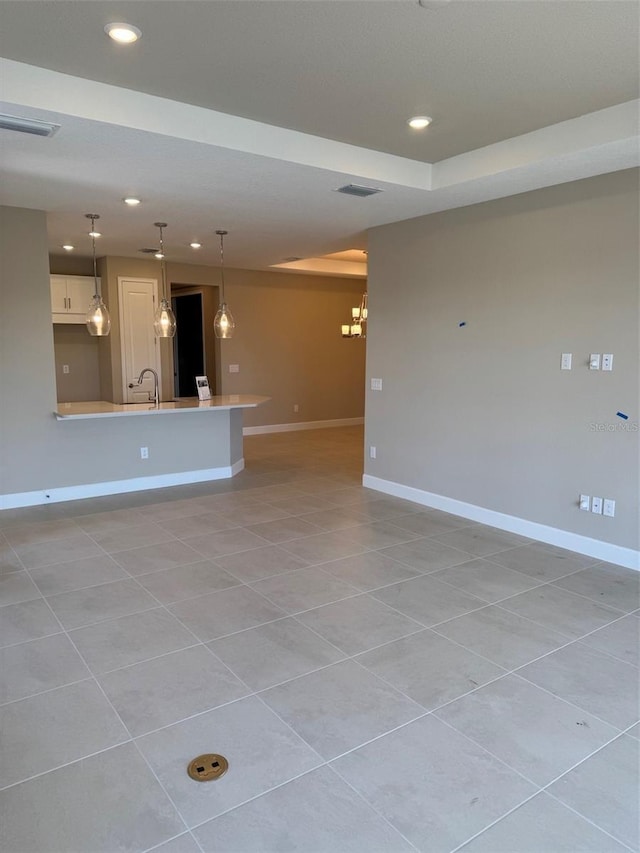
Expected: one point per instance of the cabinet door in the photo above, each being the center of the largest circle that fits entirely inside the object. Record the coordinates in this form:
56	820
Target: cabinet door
79	294
58	294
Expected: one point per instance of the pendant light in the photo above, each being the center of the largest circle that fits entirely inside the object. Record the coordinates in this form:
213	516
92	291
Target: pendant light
164	322
97	319
223	323
357	328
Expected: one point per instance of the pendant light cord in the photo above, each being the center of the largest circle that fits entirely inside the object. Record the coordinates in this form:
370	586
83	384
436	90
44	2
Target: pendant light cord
95	268
221	235
163	269
93	246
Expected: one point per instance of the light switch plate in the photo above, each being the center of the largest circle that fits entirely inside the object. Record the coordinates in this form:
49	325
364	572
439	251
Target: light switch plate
585	503
376	384
594	361
234	368
565	362
609	507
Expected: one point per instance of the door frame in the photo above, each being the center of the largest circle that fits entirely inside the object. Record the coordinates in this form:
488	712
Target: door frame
190	291
158	365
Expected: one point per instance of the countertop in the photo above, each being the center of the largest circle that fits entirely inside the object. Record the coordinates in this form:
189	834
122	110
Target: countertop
102	409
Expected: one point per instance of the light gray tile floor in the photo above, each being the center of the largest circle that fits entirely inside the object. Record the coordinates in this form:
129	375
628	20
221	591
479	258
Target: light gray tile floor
380	675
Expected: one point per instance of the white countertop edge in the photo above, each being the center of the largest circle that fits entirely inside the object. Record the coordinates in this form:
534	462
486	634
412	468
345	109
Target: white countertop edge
103	409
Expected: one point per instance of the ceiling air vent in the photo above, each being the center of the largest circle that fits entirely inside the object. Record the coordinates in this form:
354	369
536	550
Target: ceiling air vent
360	192
28	125
149	251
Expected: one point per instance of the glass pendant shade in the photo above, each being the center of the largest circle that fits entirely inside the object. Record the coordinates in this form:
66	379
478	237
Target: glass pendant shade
98	321
97	318
223	323
164	322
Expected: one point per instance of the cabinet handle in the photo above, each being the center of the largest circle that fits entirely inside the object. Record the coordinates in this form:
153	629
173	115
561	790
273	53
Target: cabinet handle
69	303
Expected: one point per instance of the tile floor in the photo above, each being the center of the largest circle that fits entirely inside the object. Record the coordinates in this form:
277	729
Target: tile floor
381	677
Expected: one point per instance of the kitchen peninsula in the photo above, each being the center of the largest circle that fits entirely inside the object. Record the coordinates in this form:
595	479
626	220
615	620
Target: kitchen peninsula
103	409
105	448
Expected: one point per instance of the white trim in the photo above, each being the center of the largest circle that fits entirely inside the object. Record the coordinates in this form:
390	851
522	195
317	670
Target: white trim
551	535
340	422
118	487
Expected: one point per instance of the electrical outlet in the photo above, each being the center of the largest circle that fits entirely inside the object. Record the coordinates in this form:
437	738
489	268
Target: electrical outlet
609	507
144	453
296	407
376	384
65	368
372	452
565	362
585	503
596	506
607	361
234	368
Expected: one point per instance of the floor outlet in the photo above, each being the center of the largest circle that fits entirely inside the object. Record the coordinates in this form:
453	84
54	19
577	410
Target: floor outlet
144	453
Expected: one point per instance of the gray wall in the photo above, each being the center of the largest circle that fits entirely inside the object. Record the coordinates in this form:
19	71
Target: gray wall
74	346
39	452
482	413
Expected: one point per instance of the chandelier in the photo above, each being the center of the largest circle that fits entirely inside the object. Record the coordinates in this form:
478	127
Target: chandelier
357	328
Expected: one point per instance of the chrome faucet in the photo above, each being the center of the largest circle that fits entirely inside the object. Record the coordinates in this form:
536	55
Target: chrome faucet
156	389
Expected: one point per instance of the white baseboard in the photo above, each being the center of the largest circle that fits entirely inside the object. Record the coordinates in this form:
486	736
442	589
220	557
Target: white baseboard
551	535
118	487
260	430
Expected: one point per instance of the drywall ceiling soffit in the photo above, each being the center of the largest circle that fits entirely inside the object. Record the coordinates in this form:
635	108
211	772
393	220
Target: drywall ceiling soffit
271	187
352	71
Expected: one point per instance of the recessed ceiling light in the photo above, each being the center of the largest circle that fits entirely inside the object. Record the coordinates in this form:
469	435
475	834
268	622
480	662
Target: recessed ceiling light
419	122
68	247
131	201
196	245
123	33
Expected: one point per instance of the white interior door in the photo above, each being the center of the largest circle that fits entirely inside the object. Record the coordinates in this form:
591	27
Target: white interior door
137	298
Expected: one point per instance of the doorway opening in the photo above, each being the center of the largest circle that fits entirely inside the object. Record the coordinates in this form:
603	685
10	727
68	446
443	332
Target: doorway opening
188	345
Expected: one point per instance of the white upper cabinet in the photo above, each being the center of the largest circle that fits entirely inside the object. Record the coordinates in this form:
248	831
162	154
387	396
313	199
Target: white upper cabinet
71	297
